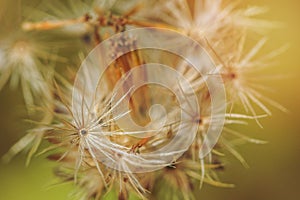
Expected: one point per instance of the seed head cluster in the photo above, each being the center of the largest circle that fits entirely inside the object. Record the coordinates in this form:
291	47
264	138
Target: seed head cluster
85	135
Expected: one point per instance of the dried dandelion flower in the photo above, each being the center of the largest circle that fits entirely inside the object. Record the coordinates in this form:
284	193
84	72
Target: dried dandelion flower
240	71
215	20
27	59
106	134
21	64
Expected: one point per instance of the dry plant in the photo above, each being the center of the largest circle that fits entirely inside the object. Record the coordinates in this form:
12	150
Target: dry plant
85	135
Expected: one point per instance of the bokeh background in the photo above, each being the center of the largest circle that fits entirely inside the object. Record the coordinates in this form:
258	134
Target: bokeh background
274	171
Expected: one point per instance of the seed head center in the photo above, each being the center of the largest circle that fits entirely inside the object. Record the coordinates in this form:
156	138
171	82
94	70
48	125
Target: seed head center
83	132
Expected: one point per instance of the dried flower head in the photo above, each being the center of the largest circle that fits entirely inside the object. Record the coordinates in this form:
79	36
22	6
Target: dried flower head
94	127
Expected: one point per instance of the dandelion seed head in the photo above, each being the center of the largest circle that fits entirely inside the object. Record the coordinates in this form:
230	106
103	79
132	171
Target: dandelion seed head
22	64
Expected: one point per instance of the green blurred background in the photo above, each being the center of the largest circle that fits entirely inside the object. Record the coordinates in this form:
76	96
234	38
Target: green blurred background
274	168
